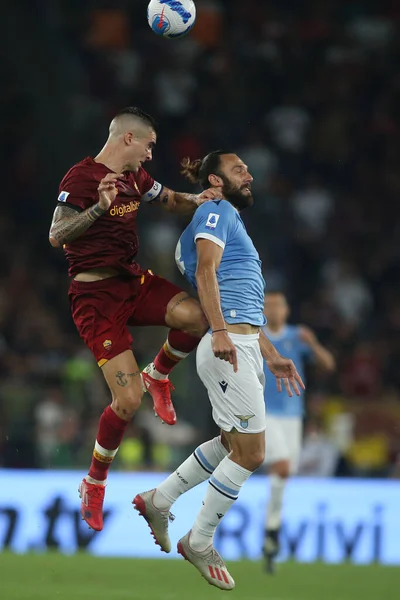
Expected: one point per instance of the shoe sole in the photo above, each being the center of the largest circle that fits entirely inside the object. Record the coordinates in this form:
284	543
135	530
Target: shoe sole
83	516
163	419
182	553
140	505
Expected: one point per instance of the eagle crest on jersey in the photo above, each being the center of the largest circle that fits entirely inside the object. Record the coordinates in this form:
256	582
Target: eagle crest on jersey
244	420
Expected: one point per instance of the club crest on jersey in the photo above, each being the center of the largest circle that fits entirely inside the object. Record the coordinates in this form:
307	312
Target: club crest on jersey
107	344
212	221
63	196
244	420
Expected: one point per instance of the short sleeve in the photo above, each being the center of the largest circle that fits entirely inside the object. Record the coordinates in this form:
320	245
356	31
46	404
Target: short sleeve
78	191
149	189
213	221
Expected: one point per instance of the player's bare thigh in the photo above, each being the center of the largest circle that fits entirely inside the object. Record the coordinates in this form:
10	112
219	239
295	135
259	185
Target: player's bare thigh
122	375
186	314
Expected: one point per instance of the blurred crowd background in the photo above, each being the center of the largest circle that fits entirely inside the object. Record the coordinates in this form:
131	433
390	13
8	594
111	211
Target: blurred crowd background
308	94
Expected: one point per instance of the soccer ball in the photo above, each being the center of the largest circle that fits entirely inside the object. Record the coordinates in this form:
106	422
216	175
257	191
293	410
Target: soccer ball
171	18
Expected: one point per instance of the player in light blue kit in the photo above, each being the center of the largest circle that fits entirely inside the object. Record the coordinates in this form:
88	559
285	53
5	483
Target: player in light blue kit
217	256
284	414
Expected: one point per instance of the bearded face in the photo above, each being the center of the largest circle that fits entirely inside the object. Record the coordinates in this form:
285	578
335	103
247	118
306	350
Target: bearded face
238	193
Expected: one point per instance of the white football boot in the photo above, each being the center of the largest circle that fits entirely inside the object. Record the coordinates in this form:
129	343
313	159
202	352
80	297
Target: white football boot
157	519
208	562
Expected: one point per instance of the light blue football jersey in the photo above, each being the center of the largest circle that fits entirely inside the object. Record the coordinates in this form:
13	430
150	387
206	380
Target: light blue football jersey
239	274
289	345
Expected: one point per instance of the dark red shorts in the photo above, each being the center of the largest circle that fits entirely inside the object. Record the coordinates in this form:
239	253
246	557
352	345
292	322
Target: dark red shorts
102	310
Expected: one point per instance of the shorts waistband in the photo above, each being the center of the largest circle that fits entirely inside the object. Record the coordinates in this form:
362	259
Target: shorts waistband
241	337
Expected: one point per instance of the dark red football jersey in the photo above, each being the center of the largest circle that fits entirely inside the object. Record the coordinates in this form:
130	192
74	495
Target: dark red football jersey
112	240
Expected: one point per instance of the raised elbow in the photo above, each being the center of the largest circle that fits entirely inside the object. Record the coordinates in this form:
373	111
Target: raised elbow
54	242
329	364
332	365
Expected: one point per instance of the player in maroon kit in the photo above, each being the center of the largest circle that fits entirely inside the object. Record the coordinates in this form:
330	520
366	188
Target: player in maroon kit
95	222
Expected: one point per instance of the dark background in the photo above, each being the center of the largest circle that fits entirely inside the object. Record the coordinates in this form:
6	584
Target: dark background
308	93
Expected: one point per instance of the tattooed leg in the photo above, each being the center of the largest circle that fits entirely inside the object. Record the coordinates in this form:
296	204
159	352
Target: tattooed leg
187	322
178	302
185	314
122	375
123	378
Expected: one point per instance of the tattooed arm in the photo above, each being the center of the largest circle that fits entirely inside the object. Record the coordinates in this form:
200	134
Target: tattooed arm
186	204
67	224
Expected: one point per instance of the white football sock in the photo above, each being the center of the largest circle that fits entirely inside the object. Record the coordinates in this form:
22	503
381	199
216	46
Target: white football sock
223	489
152	371
274	508
197	468
95	481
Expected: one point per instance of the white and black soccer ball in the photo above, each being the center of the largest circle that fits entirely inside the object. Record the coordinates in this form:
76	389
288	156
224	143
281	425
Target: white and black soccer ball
171	18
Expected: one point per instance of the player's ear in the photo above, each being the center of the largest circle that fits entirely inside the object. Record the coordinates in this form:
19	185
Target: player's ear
128	138
215	180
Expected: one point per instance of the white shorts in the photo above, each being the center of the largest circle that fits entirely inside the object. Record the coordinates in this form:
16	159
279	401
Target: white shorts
237	399
283	439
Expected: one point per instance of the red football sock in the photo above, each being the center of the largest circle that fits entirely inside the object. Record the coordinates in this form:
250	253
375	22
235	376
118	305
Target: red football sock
178	345
109	436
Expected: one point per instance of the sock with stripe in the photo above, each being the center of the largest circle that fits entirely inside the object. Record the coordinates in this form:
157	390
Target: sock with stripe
109	436
223	489
197	468
178	345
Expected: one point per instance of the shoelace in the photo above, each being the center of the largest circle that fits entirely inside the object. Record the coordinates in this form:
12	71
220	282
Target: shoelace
167	516
213	558
167	386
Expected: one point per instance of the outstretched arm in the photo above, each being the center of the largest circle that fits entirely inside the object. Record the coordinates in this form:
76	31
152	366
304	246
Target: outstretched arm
283	368
268	350
323	358
186	204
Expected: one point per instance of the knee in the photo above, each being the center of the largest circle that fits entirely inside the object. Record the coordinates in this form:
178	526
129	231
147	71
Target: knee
250	459
256	459
281	468
198	325
126	405
185	314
